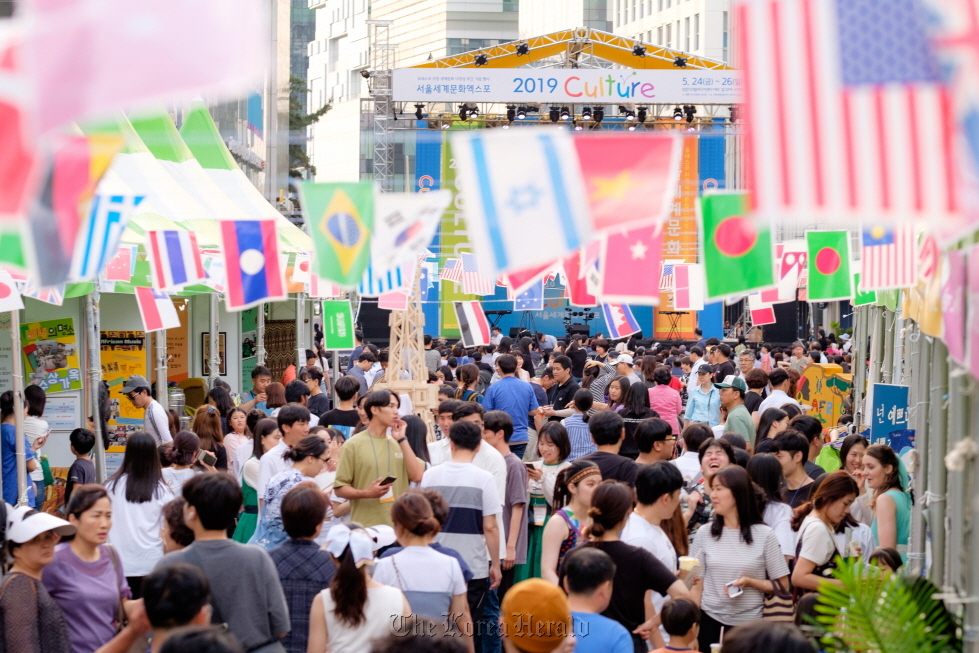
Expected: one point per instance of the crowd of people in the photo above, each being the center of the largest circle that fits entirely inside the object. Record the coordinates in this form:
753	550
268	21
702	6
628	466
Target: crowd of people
582	495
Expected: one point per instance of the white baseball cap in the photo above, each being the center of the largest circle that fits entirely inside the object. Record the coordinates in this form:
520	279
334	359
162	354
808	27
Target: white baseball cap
845	336
624	358
25	523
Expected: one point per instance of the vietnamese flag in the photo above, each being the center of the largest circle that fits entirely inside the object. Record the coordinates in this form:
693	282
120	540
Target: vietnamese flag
629	177
736	250
828	266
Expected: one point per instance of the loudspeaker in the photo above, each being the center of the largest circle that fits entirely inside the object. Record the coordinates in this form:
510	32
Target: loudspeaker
786	327
373	320
518	332
583	329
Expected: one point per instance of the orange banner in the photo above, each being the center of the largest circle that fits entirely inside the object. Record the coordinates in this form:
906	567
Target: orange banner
680	242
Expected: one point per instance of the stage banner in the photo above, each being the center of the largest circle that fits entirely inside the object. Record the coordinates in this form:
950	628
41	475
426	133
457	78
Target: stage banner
680	242
567	86
454	239
123	354
428	177
51	355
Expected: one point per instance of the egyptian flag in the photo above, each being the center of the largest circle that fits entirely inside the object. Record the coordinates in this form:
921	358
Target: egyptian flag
473	324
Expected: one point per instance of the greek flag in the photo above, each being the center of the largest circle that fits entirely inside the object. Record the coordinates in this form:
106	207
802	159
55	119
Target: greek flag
98	241
373	285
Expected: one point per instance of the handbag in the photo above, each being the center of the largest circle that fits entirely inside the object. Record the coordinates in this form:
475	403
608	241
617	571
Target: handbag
46	470
778	605
141	645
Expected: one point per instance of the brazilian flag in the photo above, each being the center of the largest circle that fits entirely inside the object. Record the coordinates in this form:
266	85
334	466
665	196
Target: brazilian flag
340	218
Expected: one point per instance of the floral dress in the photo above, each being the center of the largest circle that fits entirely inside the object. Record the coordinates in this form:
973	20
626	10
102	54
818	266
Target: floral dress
270	532
538	512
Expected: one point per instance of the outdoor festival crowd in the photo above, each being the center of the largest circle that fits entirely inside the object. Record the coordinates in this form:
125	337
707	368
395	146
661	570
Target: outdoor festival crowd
572	496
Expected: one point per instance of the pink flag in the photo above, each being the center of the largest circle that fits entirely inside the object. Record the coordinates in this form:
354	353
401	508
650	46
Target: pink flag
9	296
630	263
689	292
761	313
790	262
19	163
521	280
89	57
576	285
120	267
972	302
156	309
953	305
396	300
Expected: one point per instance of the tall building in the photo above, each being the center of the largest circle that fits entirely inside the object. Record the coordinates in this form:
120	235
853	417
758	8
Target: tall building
538	17
700	27
340	145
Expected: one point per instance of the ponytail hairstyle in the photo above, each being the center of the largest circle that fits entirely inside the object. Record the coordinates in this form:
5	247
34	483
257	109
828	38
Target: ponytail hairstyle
413	512
583	402
886	456
184	449
562	493
610	506
207	426
349	585
254	417
834	486
261	430
311	445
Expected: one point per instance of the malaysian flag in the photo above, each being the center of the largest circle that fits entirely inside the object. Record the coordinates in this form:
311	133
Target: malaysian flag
666	281
473	282
826	86
888	257
452	270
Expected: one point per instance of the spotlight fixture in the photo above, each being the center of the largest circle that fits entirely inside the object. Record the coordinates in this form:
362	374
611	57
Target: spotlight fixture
473	111
463	112
599	114
632	127
511	112
639	51
690	110
446	124
522	49
677	113
586	113
418	111
506	125
366	74
577	127
554	114
629	113
734	114
679	62
522	113
641	114
480	59
565	114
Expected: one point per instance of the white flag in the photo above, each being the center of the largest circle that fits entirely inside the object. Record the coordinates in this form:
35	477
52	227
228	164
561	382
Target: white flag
9	296
404	225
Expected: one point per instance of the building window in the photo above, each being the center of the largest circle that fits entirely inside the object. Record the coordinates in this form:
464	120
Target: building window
511	5
633	9
724	31
642	9
618	12
659	35
696	32
659	5
669	35
686	38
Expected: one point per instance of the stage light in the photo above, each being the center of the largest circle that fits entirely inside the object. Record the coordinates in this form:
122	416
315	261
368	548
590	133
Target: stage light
446	125
629	113
586	113
506	126
680	62
641	115
599	114
463	112
522	113
473	111
480	59
734	114
418	111
690	110
677	113
577	127
554	114
511	112
366	74
639	51
522	48
565	114
632	127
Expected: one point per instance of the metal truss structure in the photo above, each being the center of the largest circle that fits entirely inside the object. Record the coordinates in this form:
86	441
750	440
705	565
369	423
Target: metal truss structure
382	65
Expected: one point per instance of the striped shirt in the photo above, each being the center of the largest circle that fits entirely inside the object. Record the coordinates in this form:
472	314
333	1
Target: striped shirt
728	558
471	494
579	435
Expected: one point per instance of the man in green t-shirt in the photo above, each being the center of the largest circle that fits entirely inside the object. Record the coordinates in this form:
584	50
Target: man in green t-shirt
733	389
371	457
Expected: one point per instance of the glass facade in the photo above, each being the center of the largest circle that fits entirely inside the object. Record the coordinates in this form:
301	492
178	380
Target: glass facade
302	32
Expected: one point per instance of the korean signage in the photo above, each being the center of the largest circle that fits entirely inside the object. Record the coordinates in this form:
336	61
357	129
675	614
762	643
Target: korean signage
889	416
567	86
122	355
51	355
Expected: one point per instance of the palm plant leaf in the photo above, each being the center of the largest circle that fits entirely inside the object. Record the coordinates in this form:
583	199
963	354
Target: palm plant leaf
874	612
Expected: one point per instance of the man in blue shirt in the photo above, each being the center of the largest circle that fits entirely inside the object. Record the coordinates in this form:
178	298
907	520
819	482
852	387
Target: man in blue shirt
9	447
514	397
261	377
588	575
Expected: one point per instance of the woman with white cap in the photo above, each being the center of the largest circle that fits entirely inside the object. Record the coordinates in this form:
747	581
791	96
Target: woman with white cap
32	621
355	609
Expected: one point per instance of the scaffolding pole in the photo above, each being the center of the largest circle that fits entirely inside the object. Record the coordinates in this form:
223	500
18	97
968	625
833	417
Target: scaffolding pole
260	336
162	391
17	365
93	340
215	357
300	331
956	499
935	495
971	624
858	346
918	403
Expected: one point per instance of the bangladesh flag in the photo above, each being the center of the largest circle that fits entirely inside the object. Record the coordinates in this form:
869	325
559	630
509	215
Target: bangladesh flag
828	265
736	250
340	218
862	297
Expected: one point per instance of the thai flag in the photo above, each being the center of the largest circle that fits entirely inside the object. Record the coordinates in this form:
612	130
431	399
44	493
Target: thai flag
666	281
175	260
251	262
452	270
156	309
620	321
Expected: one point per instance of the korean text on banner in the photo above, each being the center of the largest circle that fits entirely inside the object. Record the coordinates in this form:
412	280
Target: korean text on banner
338	325
51	355
122	355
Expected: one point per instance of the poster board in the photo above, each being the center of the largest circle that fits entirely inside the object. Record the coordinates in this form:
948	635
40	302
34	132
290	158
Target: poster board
222	353
123	354
178	344
50	355
824	387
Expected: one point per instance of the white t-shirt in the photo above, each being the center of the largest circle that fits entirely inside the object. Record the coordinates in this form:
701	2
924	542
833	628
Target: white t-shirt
818	541
382	608
156	422
776	399
429	579
271	464
689	465
34	428
175	478
136	527
242	454
778	517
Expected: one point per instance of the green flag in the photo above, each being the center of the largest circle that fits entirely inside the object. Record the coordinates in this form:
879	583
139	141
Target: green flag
340	219
828	265
338	325
735	249
861	297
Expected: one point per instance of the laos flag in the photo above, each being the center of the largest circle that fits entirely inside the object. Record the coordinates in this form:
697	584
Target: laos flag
251	259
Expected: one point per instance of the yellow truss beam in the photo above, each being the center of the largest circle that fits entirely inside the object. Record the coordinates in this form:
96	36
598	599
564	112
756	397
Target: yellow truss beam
576	42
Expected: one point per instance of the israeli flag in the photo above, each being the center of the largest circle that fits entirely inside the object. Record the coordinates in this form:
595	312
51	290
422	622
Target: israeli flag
374	285
525	198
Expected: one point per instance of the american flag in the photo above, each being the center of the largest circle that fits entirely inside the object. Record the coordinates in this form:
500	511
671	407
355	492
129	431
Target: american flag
666	281
888	257
452	270
473	282
846	115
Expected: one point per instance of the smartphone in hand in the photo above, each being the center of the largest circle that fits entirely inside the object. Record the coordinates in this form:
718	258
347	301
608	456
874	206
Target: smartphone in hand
206	458
389	480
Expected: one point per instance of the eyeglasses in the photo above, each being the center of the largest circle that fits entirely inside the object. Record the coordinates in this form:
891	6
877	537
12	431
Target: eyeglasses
131	396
